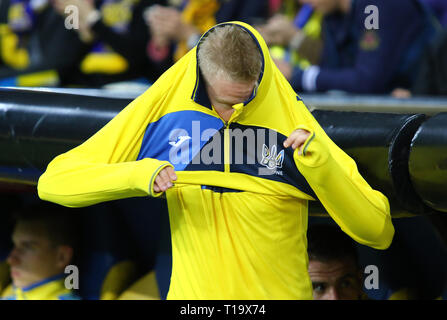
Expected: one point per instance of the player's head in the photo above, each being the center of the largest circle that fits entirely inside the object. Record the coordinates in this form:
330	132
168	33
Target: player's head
44	239
333	266
231	63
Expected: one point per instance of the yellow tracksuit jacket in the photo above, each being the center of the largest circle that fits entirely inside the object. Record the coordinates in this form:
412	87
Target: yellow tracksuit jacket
239	209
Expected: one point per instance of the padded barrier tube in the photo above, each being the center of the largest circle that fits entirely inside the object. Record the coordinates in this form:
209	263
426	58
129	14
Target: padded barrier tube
380	145
428	162
35	126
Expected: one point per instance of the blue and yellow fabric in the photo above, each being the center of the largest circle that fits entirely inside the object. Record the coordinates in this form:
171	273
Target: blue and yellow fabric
309	22
163	264
106	265
200	14
4	275
152	236
5	248
52	288
21	19
116	14
14	33
147	221
415	265
145	288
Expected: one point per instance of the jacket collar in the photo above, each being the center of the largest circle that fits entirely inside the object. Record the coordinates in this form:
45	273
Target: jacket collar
42	289
199	94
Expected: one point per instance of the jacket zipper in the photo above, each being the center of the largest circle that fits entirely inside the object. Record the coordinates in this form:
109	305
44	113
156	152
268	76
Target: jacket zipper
227	140
227	147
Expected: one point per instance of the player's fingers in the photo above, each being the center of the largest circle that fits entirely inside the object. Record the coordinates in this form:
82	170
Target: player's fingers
296	138
298	141
158	184
171	173
165	179
300	138
161	182
289	141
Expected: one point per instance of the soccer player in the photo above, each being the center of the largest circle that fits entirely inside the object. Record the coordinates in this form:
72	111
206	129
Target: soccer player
238	156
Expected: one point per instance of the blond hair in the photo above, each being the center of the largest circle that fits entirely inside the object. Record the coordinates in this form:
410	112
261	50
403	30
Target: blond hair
230	52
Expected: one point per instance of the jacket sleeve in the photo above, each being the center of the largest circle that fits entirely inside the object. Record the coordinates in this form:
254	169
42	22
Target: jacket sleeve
360	211
104	167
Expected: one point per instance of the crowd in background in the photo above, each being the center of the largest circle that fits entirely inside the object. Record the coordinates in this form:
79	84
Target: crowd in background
319	45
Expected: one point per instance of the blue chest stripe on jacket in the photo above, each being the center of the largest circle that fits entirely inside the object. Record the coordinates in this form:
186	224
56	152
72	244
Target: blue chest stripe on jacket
177	137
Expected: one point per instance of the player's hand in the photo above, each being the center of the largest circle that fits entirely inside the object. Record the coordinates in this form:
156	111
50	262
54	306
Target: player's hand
297	139
164	179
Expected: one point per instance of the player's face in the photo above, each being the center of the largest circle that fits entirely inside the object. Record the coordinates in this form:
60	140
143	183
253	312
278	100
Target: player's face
225	93
335	280
33	257
323	6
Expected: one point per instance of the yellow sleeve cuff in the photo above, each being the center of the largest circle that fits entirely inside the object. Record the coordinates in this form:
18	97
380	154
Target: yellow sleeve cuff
144	174
313	152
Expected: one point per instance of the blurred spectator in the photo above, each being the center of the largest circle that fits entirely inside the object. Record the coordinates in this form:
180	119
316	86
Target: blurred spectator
432	74
118	39
294	40
358	59
34	44
45	240
182	24
333	264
